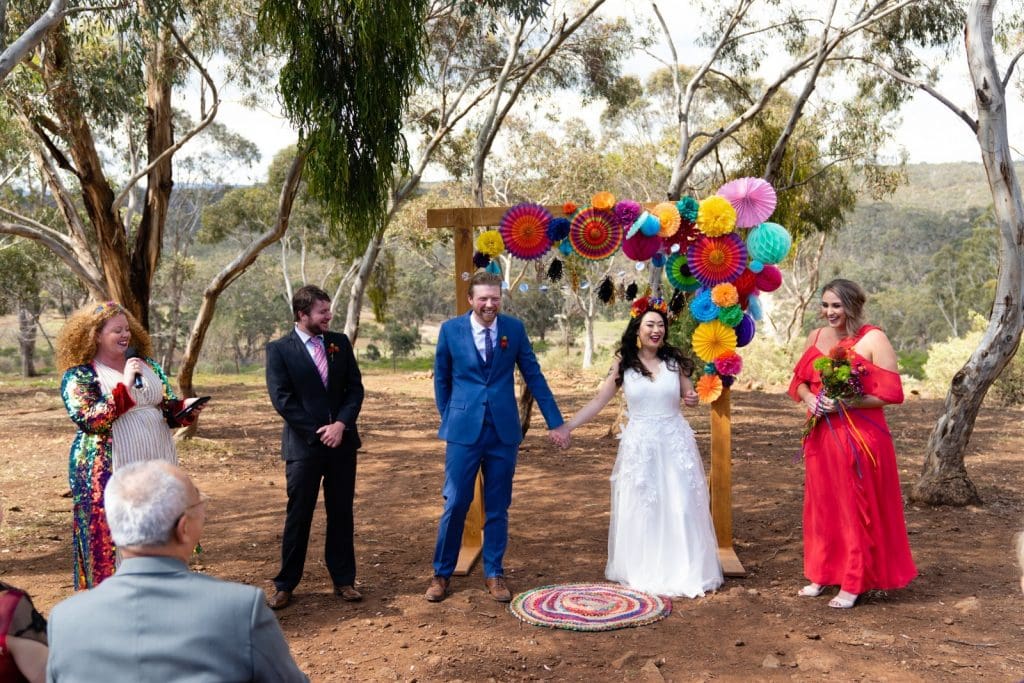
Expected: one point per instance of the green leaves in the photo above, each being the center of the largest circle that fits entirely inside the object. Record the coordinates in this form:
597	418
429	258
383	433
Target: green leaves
350	66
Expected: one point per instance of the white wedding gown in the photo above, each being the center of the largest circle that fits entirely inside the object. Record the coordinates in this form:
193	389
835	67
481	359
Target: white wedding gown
660	539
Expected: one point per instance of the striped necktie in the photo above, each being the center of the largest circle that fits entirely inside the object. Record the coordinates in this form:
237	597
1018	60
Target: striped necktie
319	357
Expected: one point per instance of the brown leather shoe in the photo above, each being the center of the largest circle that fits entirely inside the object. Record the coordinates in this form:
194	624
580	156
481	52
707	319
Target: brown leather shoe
438	590
348	593
497	588
280	600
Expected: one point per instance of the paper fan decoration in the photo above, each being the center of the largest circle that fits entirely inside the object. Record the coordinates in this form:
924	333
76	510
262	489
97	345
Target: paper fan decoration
753	198
716	216
714	260
524	229
712	339
640	247
668	214
594	234
678	273
709	388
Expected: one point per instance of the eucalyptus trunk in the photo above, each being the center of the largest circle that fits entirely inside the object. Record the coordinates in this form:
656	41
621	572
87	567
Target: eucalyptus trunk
944	479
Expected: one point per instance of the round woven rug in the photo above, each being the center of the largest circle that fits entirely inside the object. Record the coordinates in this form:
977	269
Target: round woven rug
589	607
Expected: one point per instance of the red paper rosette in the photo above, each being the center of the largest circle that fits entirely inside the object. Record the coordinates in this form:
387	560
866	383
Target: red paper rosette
594	234
714	260
524	229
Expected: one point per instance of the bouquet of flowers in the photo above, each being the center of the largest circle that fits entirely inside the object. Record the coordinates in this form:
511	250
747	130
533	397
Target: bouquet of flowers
841	381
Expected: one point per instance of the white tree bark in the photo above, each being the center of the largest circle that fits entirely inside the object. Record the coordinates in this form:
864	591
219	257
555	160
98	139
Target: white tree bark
944	479
27	41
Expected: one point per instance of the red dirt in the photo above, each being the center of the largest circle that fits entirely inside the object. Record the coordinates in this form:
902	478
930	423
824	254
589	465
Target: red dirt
958	621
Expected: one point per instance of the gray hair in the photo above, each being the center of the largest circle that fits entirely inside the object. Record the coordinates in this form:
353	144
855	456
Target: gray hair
144	500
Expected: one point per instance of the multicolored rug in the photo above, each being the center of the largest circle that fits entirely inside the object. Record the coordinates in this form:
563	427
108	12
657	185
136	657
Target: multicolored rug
589	607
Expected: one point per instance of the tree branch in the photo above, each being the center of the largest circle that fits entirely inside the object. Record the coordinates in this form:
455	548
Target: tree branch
903	78
207	120
1009	69
33	35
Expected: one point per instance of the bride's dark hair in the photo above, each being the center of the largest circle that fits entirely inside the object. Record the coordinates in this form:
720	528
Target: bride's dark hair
629	355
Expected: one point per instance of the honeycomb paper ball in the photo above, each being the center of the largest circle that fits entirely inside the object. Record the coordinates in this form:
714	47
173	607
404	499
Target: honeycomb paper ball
769	279
768	243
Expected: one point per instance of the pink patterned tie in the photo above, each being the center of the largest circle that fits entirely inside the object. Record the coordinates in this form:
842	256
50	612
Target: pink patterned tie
319	357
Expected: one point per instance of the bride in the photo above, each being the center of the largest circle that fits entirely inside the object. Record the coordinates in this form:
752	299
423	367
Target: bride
660	538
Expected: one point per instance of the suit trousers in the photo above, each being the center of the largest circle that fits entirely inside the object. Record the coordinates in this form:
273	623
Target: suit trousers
338	473
497	461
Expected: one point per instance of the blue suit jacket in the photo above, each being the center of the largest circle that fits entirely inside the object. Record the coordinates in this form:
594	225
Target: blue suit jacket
463	387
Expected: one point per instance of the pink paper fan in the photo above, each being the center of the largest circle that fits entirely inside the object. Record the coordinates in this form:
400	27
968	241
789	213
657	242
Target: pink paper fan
524	229
753	198
640	247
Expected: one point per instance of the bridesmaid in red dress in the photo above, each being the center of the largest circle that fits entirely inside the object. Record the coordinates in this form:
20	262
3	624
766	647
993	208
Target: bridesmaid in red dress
854	533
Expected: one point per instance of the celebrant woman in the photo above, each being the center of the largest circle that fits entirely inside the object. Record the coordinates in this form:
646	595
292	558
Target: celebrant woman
660	536
855	536
123	406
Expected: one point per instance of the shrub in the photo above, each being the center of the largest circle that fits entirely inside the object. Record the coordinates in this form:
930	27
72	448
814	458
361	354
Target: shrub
911	363
1008	388
946	358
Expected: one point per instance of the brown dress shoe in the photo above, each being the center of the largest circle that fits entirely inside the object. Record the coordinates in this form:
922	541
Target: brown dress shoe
348	593
280	600
438	590
497	588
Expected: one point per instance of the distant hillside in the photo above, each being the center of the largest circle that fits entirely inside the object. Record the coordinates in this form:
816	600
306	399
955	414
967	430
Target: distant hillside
943	187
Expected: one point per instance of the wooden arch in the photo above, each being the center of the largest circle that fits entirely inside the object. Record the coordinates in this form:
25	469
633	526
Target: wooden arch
463	221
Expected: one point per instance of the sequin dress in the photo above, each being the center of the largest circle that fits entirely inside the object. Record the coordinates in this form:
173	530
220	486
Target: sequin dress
660	538
96	402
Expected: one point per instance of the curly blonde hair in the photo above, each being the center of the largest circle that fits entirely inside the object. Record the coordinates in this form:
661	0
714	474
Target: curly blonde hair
76	343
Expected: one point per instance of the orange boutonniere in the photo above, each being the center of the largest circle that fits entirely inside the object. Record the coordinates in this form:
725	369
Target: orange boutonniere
332	349
503	343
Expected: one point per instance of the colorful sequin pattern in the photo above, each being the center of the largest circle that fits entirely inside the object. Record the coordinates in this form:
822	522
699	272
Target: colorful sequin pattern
89	467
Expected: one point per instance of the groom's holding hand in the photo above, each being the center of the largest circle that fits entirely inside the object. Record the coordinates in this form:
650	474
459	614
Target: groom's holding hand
474	389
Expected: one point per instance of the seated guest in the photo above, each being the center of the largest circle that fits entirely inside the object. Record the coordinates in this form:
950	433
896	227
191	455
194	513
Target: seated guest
154	619
22	636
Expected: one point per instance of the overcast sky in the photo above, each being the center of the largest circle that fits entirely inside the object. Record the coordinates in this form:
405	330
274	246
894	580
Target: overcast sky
929	131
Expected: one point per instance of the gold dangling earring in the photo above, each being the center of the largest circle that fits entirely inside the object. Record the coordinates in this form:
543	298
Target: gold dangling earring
638	344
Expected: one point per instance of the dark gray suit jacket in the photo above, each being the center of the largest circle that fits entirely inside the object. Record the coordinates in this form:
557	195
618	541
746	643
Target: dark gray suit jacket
154	620
299	395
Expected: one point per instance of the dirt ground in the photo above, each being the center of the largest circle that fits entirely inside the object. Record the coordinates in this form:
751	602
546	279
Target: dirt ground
960	620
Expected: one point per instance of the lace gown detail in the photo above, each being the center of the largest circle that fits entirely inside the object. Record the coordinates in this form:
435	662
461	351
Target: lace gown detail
660	539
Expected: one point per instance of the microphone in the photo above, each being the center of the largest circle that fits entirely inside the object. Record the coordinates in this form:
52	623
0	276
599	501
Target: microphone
132	352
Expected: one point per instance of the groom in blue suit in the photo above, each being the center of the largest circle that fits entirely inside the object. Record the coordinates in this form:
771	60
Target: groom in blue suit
474	366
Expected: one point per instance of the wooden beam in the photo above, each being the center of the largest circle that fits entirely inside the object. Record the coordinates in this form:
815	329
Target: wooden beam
721	483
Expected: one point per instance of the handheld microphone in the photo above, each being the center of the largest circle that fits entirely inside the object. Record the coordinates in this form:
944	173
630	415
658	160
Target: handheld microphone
132	352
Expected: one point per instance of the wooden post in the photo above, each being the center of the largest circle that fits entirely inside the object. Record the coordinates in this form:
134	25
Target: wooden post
721	484
463	220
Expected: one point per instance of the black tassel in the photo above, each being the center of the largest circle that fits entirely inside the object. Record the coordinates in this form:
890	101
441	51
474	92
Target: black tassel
631	291
606	291
677	302
555	270
480	259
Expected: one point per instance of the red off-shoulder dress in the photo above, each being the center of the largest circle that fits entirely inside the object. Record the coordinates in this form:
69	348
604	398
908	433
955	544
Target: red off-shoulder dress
854	532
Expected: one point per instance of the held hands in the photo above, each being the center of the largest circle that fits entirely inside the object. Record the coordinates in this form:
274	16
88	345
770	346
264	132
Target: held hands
560	435
690	398
330	435
821	404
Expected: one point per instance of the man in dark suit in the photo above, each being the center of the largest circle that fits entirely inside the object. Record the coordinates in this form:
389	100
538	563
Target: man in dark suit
474	366
315	385
154	619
